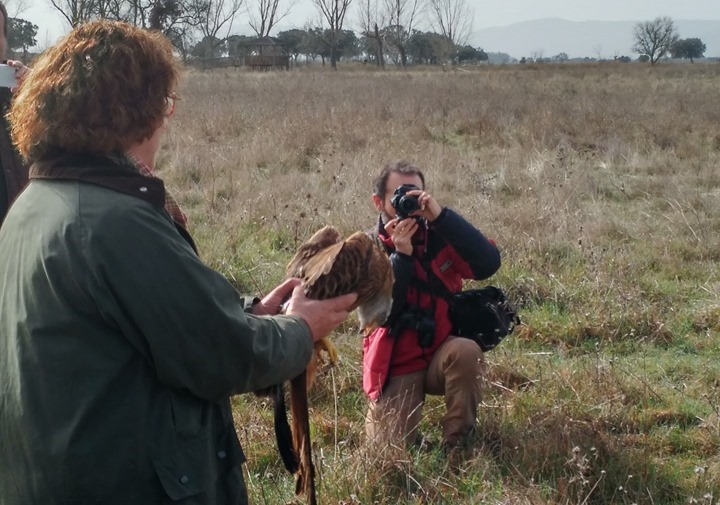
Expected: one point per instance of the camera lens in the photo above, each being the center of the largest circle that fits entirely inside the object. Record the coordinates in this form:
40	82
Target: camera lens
403	203
408	204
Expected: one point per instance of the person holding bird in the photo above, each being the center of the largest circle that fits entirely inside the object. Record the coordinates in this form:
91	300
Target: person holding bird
119	347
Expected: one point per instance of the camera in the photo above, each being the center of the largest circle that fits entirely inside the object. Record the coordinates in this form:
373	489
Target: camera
403	203
426	331
420	320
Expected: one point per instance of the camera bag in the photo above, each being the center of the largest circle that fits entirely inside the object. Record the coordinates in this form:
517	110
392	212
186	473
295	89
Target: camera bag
484	315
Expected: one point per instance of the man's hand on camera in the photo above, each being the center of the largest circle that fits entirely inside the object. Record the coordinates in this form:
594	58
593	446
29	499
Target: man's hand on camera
430	209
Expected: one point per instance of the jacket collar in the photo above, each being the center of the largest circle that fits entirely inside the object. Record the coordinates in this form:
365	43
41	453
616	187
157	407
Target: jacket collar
113	171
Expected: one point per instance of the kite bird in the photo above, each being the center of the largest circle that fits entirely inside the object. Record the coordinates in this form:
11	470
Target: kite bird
329	267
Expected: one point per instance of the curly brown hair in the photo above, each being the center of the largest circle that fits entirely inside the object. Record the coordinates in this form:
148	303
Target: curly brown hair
102	88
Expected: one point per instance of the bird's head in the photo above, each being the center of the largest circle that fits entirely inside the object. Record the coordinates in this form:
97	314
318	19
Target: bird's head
375	311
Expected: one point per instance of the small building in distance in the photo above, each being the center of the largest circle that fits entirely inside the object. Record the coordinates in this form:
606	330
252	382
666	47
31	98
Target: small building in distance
264	53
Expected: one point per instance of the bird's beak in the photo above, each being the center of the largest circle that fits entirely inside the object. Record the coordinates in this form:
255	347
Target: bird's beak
369	328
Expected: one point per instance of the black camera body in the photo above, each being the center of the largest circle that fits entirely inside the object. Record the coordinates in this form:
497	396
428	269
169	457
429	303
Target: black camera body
421	320
426	331
403	203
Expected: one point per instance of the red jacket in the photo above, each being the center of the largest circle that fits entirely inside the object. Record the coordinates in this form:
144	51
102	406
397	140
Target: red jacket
454	250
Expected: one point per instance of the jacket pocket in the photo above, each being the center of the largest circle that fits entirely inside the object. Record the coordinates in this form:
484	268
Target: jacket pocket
201	469
183	467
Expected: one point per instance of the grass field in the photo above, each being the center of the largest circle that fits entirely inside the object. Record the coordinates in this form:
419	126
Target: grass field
601	186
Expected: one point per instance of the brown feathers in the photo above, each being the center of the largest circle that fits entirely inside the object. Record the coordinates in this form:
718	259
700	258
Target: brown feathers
330	267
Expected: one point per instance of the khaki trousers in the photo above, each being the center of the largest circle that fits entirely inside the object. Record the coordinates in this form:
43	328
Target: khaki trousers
455	371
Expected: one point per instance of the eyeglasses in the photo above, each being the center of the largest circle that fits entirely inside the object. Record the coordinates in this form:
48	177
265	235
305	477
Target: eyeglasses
170	104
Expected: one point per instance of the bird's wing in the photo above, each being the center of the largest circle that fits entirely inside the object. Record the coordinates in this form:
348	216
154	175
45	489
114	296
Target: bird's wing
323	238
321	264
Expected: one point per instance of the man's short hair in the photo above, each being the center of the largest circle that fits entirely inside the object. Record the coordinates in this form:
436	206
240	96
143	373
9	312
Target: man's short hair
100	89
395	167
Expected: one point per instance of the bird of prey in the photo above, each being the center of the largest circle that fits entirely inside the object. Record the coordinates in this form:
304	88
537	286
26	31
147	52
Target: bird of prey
330	267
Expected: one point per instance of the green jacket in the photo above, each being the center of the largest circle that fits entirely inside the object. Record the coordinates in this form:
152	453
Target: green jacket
119	348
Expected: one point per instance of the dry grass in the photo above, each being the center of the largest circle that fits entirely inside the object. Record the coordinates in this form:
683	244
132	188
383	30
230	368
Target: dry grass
601	185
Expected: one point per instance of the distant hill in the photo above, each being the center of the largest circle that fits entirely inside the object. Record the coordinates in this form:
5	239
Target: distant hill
605	39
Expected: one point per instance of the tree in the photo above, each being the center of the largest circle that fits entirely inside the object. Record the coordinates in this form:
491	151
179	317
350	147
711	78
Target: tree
655	38
403	16
179	37
451	19
688	49
236	45
371	19
429	47
15	8
76	12
21	35
293	39
266	16
334	13
314	45
348	44
469	54
212	17
208	47
164	14
500	58
146	13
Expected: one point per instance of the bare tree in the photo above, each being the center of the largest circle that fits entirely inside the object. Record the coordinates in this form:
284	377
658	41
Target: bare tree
452	19
266	15
334	13
598	51
123	10
537	55
76	12
403	15
16	7
136	12
213	16
372	19
655	38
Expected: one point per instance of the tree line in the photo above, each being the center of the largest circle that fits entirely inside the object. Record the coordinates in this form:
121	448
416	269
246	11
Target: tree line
385	30
313	44
401	31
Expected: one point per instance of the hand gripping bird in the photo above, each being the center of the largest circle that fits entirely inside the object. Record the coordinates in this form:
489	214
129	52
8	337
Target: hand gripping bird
330	267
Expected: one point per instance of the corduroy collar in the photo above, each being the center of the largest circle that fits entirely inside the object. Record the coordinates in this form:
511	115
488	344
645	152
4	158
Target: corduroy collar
114	171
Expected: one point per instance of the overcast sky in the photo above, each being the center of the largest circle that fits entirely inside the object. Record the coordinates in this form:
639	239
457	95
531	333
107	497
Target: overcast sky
487	13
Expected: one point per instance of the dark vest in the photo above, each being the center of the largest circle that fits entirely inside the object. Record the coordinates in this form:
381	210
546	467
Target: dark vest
13	172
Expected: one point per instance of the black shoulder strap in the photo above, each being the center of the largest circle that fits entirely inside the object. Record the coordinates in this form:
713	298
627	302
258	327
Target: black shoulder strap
434	285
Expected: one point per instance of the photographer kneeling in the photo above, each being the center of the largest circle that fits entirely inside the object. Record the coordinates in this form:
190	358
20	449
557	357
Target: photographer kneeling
432	249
